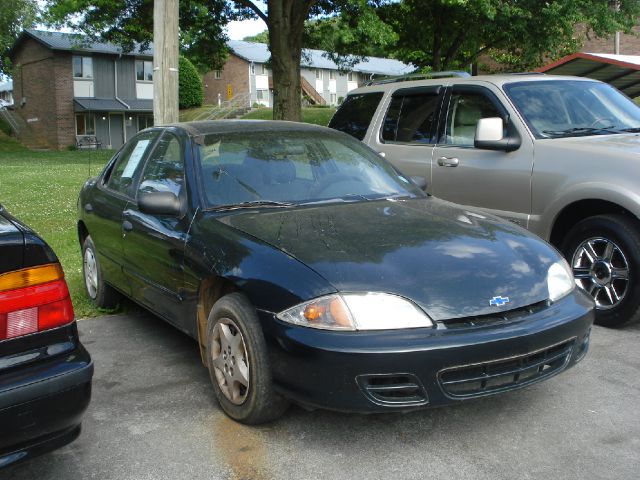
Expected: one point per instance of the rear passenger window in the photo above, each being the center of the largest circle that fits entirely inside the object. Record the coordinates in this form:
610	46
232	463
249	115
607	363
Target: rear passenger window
411	117
355	114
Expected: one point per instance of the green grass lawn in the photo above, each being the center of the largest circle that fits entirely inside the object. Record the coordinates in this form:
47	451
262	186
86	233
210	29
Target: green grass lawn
317	116
41	189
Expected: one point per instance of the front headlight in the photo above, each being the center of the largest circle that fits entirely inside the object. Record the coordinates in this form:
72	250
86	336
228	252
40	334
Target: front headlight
357	311
560	280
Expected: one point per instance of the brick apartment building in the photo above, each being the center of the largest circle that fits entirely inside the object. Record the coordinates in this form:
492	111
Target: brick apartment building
66	88
246	73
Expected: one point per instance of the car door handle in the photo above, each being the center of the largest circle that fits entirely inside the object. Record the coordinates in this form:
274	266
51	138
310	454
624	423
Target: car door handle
127	226
448	161
88	207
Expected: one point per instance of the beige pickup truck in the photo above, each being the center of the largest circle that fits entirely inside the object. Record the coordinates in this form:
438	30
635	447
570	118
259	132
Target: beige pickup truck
559	156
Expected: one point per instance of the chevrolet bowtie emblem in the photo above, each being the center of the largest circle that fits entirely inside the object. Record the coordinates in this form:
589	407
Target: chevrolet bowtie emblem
498	301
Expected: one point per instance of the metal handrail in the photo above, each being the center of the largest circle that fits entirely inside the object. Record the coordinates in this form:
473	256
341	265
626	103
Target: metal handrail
226	108
8	116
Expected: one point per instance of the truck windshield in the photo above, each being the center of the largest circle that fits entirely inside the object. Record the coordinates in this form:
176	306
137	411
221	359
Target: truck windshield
572	108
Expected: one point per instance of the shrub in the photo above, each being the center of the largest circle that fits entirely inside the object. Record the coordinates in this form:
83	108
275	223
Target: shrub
190	89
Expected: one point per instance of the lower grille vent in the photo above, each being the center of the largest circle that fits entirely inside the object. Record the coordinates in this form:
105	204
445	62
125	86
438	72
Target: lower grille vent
506	374
393	389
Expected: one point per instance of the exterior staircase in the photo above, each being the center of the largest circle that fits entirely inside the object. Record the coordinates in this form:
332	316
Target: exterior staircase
312	93
12	119
233	108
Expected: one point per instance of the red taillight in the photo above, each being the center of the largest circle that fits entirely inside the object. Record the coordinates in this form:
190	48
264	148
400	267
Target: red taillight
41	301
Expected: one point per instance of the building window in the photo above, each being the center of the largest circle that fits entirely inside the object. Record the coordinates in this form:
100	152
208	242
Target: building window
332	74
82	67
144	70
350	76
145	121
85	124
262	95
333	99
318	74
217	74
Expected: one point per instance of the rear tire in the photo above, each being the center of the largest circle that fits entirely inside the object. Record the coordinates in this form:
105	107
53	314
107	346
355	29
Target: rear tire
100	294
604	254
238	362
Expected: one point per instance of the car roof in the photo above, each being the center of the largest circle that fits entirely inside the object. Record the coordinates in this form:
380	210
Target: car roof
197	129
497	80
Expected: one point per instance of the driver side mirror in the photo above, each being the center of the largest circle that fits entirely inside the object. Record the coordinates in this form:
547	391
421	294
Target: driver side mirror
421	182
161	203
490	136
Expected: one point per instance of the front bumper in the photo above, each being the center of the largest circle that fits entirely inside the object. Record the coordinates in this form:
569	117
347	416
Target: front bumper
42	403
415	368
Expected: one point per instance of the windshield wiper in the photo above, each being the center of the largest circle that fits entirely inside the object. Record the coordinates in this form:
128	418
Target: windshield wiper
251	204
348	198
580	131
630	130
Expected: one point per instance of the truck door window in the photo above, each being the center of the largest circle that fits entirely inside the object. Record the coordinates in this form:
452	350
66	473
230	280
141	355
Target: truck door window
465	110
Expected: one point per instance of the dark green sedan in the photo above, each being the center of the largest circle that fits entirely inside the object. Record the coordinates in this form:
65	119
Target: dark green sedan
309	270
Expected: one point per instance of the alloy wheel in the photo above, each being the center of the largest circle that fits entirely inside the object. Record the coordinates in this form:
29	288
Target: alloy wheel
230	361
601	269
90	273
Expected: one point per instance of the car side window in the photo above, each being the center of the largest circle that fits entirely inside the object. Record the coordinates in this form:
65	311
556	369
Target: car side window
121	178
412	117
464	112
164	171
355	114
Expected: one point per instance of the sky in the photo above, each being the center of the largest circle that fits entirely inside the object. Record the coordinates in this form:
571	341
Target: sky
245	28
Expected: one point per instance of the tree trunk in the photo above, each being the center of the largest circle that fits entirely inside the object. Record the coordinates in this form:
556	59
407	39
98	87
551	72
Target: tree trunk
286	22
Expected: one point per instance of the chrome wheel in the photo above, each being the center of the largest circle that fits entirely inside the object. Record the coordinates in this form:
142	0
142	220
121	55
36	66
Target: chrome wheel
90	273
601	269
230	360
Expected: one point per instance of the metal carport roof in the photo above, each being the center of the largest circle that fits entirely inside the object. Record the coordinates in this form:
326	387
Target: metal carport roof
621	71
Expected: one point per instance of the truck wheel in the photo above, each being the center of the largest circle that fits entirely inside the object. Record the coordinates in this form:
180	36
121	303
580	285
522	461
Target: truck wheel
604	254
238	362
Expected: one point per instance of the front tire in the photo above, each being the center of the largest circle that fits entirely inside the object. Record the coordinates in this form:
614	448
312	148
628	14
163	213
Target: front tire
604	254
238	362
100	294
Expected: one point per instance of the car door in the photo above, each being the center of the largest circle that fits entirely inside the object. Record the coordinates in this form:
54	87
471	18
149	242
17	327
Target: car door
103	210
154	244
408	129
497	181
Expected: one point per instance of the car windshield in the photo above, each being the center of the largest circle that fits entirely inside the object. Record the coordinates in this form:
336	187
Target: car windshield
571	108
284	168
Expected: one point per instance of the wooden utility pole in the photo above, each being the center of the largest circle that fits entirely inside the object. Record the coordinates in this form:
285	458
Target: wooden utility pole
165	61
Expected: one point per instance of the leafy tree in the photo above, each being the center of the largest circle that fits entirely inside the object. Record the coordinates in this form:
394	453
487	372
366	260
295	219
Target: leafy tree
443	34
190	89
126	22
202	38
15	15
262	37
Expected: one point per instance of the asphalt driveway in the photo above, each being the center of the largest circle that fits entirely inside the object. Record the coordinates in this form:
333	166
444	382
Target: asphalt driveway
153	416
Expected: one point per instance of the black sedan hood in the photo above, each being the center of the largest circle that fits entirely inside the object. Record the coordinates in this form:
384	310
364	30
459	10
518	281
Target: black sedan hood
449	260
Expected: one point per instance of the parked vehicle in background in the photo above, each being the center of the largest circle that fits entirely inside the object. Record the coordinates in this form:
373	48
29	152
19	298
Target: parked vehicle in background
557	155
310	270
45	372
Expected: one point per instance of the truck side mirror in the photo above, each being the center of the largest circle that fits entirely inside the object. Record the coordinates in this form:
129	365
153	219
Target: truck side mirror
490	136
